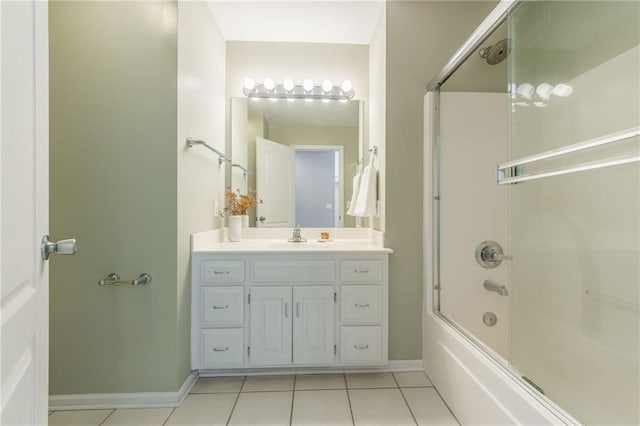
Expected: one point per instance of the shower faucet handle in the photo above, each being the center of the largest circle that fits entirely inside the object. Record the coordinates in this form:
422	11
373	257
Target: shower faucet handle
489	254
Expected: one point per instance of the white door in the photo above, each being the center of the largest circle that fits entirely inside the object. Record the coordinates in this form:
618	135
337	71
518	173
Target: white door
313	341
24	297
275	184
270	328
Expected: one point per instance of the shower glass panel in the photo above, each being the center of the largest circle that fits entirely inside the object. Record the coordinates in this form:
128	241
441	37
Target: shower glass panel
575	237
474	132
536	151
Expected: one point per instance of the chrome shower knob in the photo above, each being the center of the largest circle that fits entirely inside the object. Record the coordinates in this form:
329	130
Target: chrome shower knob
489	254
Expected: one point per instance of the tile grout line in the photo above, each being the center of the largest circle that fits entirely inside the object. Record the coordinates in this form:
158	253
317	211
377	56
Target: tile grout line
170	414
405	399
235	403
106	418
344	376
293	398
445	404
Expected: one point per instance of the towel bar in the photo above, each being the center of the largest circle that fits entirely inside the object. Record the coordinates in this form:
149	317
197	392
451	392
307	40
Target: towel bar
114	279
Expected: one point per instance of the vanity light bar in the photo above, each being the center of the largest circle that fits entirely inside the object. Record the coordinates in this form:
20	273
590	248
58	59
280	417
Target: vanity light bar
307	90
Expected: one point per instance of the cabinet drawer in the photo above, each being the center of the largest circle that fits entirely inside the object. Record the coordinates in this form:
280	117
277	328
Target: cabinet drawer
361	345
222	305
289	271
222	348
361	304
218	271
361	270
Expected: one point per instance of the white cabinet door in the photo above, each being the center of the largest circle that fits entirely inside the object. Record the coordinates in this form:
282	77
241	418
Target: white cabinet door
271	312
313	329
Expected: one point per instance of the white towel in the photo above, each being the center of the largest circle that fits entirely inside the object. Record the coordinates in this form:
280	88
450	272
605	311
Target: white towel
354	194
368	194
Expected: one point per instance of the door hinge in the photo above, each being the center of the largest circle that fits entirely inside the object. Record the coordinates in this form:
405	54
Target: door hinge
335	349
335	297
249	298
248	350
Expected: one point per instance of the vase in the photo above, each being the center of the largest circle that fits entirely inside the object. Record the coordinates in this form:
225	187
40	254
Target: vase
235	228
245	221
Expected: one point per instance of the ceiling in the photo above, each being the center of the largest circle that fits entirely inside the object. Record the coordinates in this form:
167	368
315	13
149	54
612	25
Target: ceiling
320	21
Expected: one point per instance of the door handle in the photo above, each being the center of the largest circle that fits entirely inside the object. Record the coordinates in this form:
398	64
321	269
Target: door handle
47	248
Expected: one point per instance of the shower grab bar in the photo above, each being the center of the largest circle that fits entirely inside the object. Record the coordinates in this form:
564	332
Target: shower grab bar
245	171
114	279
494	286
222	157
507	172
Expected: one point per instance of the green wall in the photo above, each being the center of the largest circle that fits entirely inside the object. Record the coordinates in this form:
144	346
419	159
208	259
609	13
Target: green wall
113	90
421	37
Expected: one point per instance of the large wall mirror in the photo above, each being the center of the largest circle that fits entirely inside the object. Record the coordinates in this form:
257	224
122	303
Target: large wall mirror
300	158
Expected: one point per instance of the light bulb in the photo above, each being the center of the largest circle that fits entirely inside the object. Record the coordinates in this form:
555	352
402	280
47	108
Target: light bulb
326	101
249	84
343	101
269	84
288	84
308	99
273	99
291	99
308	85
544	90
327	86
346	86
563	90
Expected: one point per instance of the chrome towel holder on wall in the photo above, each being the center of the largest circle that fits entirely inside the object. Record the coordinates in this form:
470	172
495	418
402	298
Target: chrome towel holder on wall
114	279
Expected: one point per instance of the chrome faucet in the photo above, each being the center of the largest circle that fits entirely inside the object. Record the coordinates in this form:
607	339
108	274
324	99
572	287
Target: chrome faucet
296	237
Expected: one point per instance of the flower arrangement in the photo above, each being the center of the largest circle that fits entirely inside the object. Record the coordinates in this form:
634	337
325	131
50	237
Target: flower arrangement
238	204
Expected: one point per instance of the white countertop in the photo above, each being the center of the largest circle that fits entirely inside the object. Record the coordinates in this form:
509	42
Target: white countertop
213	242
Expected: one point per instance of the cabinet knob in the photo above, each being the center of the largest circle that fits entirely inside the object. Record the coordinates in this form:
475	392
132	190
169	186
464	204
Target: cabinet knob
221	349
361	305
361	347
361	271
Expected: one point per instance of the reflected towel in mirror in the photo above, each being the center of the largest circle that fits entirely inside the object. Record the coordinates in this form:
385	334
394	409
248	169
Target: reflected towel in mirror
354	195
368	193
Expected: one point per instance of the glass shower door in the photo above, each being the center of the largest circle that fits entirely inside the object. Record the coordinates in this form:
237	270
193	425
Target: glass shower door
574	182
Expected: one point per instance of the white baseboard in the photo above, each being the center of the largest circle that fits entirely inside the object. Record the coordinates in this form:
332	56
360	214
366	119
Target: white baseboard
174	399
123	400
395	366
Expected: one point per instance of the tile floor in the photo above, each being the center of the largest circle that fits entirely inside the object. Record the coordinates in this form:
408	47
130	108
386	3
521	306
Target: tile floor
323	399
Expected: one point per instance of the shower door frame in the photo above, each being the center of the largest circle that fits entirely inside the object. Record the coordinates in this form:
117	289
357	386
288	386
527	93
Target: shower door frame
495	19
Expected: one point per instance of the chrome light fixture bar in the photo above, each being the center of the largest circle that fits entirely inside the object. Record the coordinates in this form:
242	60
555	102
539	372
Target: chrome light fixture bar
308	91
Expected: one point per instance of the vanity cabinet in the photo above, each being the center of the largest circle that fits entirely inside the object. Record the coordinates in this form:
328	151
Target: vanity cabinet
261	310
292	325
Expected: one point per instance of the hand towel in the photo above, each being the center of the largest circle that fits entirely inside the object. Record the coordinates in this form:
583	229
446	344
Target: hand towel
368	194
354	194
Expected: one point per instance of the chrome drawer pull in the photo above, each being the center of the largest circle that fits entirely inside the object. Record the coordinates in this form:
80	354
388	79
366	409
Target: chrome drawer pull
361	271
361	305
360	347
221	272
220	306
224	349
